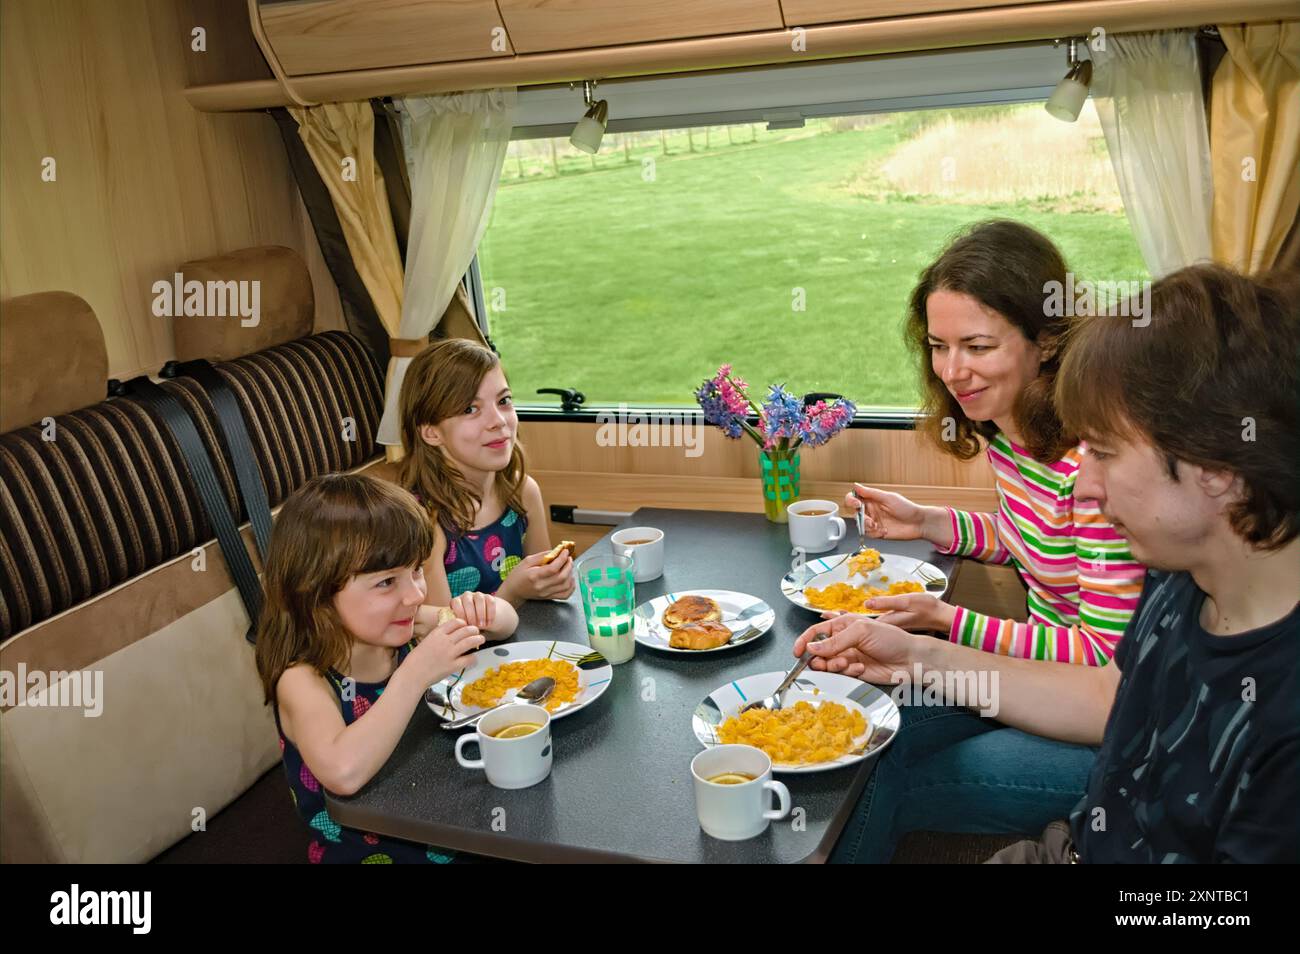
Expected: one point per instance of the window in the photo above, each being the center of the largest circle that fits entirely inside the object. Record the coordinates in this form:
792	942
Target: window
787	252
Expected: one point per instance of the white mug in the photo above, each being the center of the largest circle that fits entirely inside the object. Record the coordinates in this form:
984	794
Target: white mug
516	762
647	558
817	533
737	811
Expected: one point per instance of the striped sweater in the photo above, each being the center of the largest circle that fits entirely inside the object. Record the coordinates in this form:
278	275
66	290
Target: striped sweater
1083	582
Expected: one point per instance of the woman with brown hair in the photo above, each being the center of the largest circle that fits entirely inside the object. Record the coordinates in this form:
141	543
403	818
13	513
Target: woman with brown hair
990	346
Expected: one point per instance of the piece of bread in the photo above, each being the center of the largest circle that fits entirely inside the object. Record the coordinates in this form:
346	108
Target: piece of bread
691	609
444	614
555	553
708	635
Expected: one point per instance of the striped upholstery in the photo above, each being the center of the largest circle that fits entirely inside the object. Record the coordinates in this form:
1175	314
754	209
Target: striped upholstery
296	399
110	497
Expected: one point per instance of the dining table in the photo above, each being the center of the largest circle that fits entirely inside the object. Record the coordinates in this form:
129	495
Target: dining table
621	789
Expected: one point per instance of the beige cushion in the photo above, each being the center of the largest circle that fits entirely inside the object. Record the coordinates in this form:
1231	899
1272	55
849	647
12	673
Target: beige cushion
286	303
182	727
53	360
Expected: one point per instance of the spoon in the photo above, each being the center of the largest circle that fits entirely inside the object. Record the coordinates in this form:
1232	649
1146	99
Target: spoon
535	692
773	702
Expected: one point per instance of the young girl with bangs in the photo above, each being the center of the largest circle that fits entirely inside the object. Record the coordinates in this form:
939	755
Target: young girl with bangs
346	647
465	465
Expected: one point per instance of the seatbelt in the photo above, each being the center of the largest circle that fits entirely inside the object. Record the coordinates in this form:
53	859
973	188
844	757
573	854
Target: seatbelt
239	446
196	458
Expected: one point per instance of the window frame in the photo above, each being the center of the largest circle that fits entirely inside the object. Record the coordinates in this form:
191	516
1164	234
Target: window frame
1004	74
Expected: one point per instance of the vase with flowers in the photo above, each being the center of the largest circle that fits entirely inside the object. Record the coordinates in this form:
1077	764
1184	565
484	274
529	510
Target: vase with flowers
785	423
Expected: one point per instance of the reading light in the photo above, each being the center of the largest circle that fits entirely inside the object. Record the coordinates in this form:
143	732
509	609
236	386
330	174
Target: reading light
590	129
1067	99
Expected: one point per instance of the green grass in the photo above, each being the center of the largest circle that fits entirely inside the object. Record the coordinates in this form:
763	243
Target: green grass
636	291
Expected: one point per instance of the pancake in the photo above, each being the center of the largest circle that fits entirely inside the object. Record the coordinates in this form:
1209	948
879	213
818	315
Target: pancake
555	553
708	635
691	609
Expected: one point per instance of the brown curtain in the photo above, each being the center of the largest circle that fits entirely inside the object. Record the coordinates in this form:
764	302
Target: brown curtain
340	138
1255	144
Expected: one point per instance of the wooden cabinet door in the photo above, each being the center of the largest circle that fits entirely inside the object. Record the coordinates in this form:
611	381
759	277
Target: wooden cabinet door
808	12
543	25
325	36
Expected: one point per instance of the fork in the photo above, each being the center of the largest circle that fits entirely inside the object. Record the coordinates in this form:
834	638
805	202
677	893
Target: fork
931	581
859	521
773	702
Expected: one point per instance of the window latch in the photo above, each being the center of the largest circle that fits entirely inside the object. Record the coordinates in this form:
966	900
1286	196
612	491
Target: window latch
570	398
813	397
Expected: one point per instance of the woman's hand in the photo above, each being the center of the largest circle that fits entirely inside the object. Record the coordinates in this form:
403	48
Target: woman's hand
533	580
913	611
861	647
889	516
448	648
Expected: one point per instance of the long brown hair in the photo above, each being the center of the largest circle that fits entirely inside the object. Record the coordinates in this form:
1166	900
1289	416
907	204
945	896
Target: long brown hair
1007	268
441	382
331	529
1209	378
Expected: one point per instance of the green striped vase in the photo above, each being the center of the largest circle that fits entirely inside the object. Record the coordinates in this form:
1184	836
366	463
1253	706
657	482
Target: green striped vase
780	482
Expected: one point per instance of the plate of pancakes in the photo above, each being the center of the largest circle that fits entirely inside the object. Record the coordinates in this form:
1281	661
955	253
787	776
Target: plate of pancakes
837	589
702	621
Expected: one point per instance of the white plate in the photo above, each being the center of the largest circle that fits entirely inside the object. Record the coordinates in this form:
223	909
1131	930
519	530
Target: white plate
814	573
812	686
746	616
594	674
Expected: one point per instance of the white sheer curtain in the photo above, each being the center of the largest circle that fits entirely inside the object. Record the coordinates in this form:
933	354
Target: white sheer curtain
455	146
1147	90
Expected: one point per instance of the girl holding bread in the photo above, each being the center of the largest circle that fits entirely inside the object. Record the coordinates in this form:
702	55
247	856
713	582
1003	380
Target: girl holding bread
466	467
346	647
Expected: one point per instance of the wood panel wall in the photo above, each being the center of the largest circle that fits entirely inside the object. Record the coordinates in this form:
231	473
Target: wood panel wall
574	465
144	181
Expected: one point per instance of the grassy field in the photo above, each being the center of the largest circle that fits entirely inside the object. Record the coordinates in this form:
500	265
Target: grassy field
635	290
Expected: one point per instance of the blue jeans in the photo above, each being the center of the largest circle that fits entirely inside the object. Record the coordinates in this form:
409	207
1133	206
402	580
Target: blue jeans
952	770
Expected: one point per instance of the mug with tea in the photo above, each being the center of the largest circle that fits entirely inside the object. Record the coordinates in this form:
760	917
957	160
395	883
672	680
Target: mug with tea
732	786
815	525
645	546
514	744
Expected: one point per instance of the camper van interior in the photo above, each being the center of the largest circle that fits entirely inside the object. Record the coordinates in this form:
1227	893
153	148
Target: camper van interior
702	431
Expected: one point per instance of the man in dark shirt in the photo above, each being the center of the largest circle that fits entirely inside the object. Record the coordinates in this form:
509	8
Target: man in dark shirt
1192	426
1201	756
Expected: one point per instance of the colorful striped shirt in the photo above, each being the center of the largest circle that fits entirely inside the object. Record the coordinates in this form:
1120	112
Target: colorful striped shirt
1083	582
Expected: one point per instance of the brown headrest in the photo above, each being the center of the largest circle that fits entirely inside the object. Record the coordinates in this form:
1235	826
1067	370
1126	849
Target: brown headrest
53	360
285	304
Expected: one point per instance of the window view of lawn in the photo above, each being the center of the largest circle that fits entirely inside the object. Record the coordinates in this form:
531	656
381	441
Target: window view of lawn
789	253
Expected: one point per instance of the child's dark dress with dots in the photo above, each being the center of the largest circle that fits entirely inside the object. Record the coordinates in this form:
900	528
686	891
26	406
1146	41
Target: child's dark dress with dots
481	559
333	844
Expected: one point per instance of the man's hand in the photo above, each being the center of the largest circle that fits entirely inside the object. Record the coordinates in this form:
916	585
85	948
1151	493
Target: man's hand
861	647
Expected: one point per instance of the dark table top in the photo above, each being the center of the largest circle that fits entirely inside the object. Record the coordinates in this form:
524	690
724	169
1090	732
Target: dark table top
620	788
